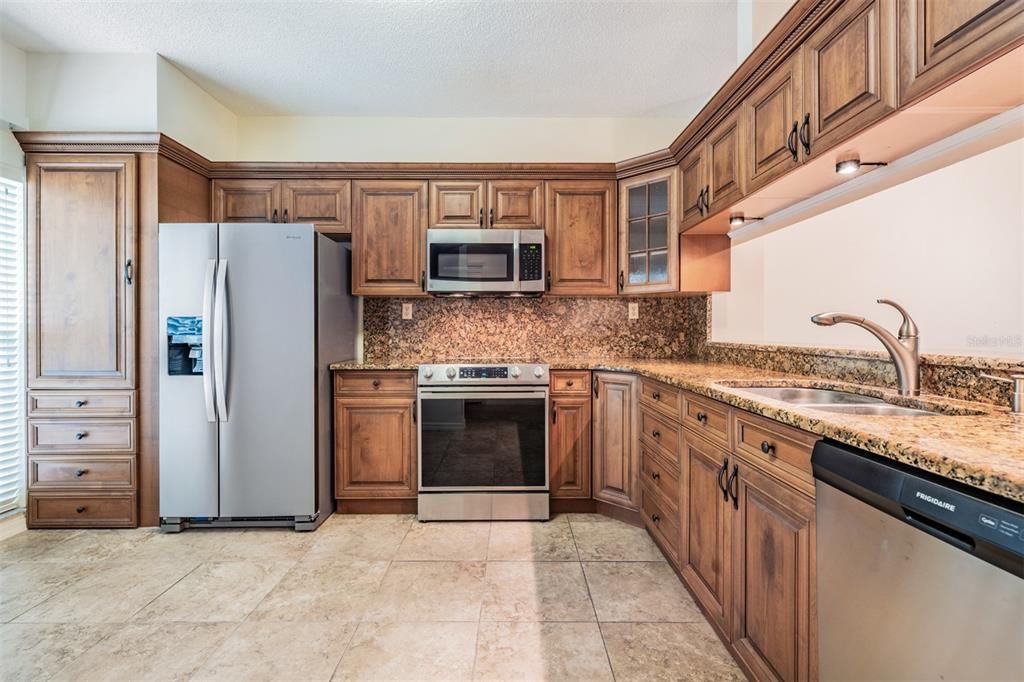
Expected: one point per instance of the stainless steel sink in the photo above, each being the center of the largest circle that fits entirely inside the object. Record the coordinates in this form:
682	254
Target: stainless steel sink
839	402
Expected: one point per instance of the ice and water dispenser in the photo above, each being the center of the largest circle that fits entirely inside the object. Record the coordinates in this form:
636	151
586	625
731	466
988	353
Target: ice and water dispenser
184	345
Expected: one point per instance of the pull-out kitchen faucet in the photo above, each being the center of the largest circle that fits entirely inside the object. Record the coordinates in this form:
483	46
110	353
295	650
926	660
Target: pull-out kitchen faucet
902	349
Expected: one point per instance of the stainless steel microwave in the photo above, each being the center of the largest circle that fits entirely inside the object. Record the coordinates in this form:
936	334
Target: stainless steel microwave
485	262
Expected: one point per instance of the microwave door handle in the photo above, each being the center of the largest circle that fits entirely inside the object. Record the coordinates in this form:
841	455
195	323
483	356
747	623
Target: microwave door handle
221	323
207	340
515	263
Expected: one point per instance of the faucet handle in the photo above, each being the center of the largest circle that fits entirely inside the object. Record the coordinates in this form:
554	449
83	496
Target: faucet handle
908	328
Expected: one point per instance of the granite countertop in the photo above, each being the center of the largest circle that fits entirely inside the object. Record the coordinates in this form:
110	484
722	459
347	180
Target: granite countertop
978	444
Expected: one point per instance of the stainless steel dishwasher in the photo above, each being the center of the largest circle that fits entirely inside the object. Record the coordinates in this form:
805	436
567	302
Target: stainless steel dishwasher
919	578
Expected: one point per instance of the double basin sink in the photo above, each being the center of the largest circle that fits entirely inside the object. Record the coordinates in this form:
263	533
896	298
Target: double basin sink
841	402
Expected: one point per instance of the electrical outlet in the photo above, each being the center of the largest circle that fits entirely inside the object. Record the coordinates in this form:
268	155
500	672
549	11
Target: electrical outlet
407	311
634	311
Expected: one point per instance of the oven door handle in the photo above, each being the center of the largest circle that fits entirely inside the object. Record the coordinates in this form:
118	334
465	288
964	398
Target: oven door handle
482	395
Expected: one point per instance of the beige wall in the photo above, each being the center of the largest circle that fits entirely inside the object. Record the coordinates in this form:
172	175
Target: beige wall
13	108
192	116
956	264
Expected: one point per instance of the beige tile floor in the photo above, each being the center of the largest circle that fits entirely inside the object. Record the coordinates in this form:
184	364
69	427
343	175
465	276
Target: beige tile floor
581	597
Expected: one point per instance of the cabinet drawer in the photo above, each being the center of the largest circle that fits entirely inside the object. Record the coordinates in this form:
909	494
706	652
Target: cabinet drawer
81	403
777	448
116	436
64	510
708	418
363	382
660	475
81	473
662	523
563	381
657	430
665	398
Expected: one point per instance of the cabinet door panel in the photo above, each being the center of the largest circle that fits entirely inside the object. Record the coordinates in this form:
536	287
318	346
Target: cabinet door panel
389	225
570	447
705	526
773	578
374	450
648	233
851	71
81	234
457	203
325	203
941	39
692	179
725	171
246	201
772	118
616	460
581	237
515	203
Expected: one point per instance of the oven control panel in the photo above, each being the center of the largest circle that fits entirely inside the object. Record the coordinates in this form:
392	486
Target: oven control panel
527	373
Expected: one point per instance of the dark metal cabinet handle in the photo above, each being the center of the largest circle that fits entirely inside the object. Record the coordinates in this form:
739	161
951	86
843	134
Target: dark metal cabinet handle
492	217
129	272
805	134
721	477
423	280
622	280
81	403
549	280
481	217
81	472
81	434
791	142
702	418
554	411
285	216
80	509
767	448
656	519
656	433
414	412
656	395
596	380
376	383
700	202
707	199
273	216
734	480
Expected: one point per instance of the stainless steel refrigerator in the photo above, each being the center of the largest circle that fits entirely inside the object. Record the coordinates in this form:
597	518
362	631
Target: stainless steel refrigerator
251	316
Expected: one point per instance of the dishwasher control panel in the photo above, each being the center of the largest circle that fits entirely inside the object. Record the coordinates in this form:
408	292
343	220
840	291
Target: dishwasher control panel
962	516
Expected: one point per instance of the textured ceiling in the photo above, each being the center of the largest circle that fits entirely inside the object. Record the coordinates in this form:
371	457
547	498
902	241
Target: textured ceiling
413	58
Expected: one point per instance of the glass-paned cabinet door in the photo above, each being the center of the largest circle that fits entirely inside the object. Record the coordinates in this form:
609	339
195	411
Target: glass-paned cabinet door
649	243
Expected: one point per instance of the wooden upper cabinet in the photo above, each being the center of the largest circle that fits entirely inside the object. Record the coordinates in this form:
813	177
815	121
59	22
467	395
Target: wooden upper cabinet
724	165
771	115
570	446
773	577
941	39
325	203
81	240
374	447
648	233
515	204
580	233
691	188
246	201
850	68
616	457
457	203
705	518
389	223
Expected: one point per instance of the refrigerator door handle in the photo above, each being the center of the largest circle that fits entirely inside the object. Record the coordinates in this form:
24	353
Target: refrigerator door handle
220	340
211	270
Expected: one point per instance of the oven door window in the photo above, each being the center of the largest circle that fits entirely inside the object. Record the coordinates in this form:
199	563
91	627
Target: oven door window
472	262
483	443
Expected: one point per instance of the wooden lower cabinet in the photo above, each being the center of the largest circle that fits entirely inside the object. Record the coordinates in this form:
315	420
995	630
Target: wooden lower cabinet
374	447
616	439
82	510
772	564
705	525
569	446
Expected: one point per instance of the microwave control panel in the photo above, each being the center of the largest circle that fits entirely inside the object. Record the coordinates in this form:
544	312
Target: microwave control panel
530	265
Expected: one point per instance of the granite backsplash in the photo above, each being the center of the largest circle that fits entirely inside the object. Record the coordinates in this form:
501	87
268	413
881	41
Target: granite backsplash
526	328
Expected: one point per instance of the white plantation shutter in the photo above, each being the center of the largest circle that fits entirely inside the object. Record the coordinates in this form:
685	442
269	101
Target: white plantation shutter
11	390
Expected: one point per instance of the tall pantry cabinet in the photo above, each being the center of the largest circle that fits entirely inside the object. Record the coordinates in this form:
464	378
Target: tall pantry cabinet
81	240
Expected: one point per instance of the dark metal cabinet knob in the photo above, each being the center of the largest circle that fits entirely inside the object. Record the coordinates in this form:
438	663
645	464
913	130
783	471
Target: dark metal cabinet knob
81	472
376	383
656	433
656	395
80	509
570	382
655	475
656	519
767	448
81	434
81	403
702	418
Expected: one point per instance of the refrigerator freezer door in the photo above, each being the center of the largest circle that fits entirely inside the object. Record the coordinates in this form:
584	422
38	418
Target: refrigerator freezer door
188	438
267	437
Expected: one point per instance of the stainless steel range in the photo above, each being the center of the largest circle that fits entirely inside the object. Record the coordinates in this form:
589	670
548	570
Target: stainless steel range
483	441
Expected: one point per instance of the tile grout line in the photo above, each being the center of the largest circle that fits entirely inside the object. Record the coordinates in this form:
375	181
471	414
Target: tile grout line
590	596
